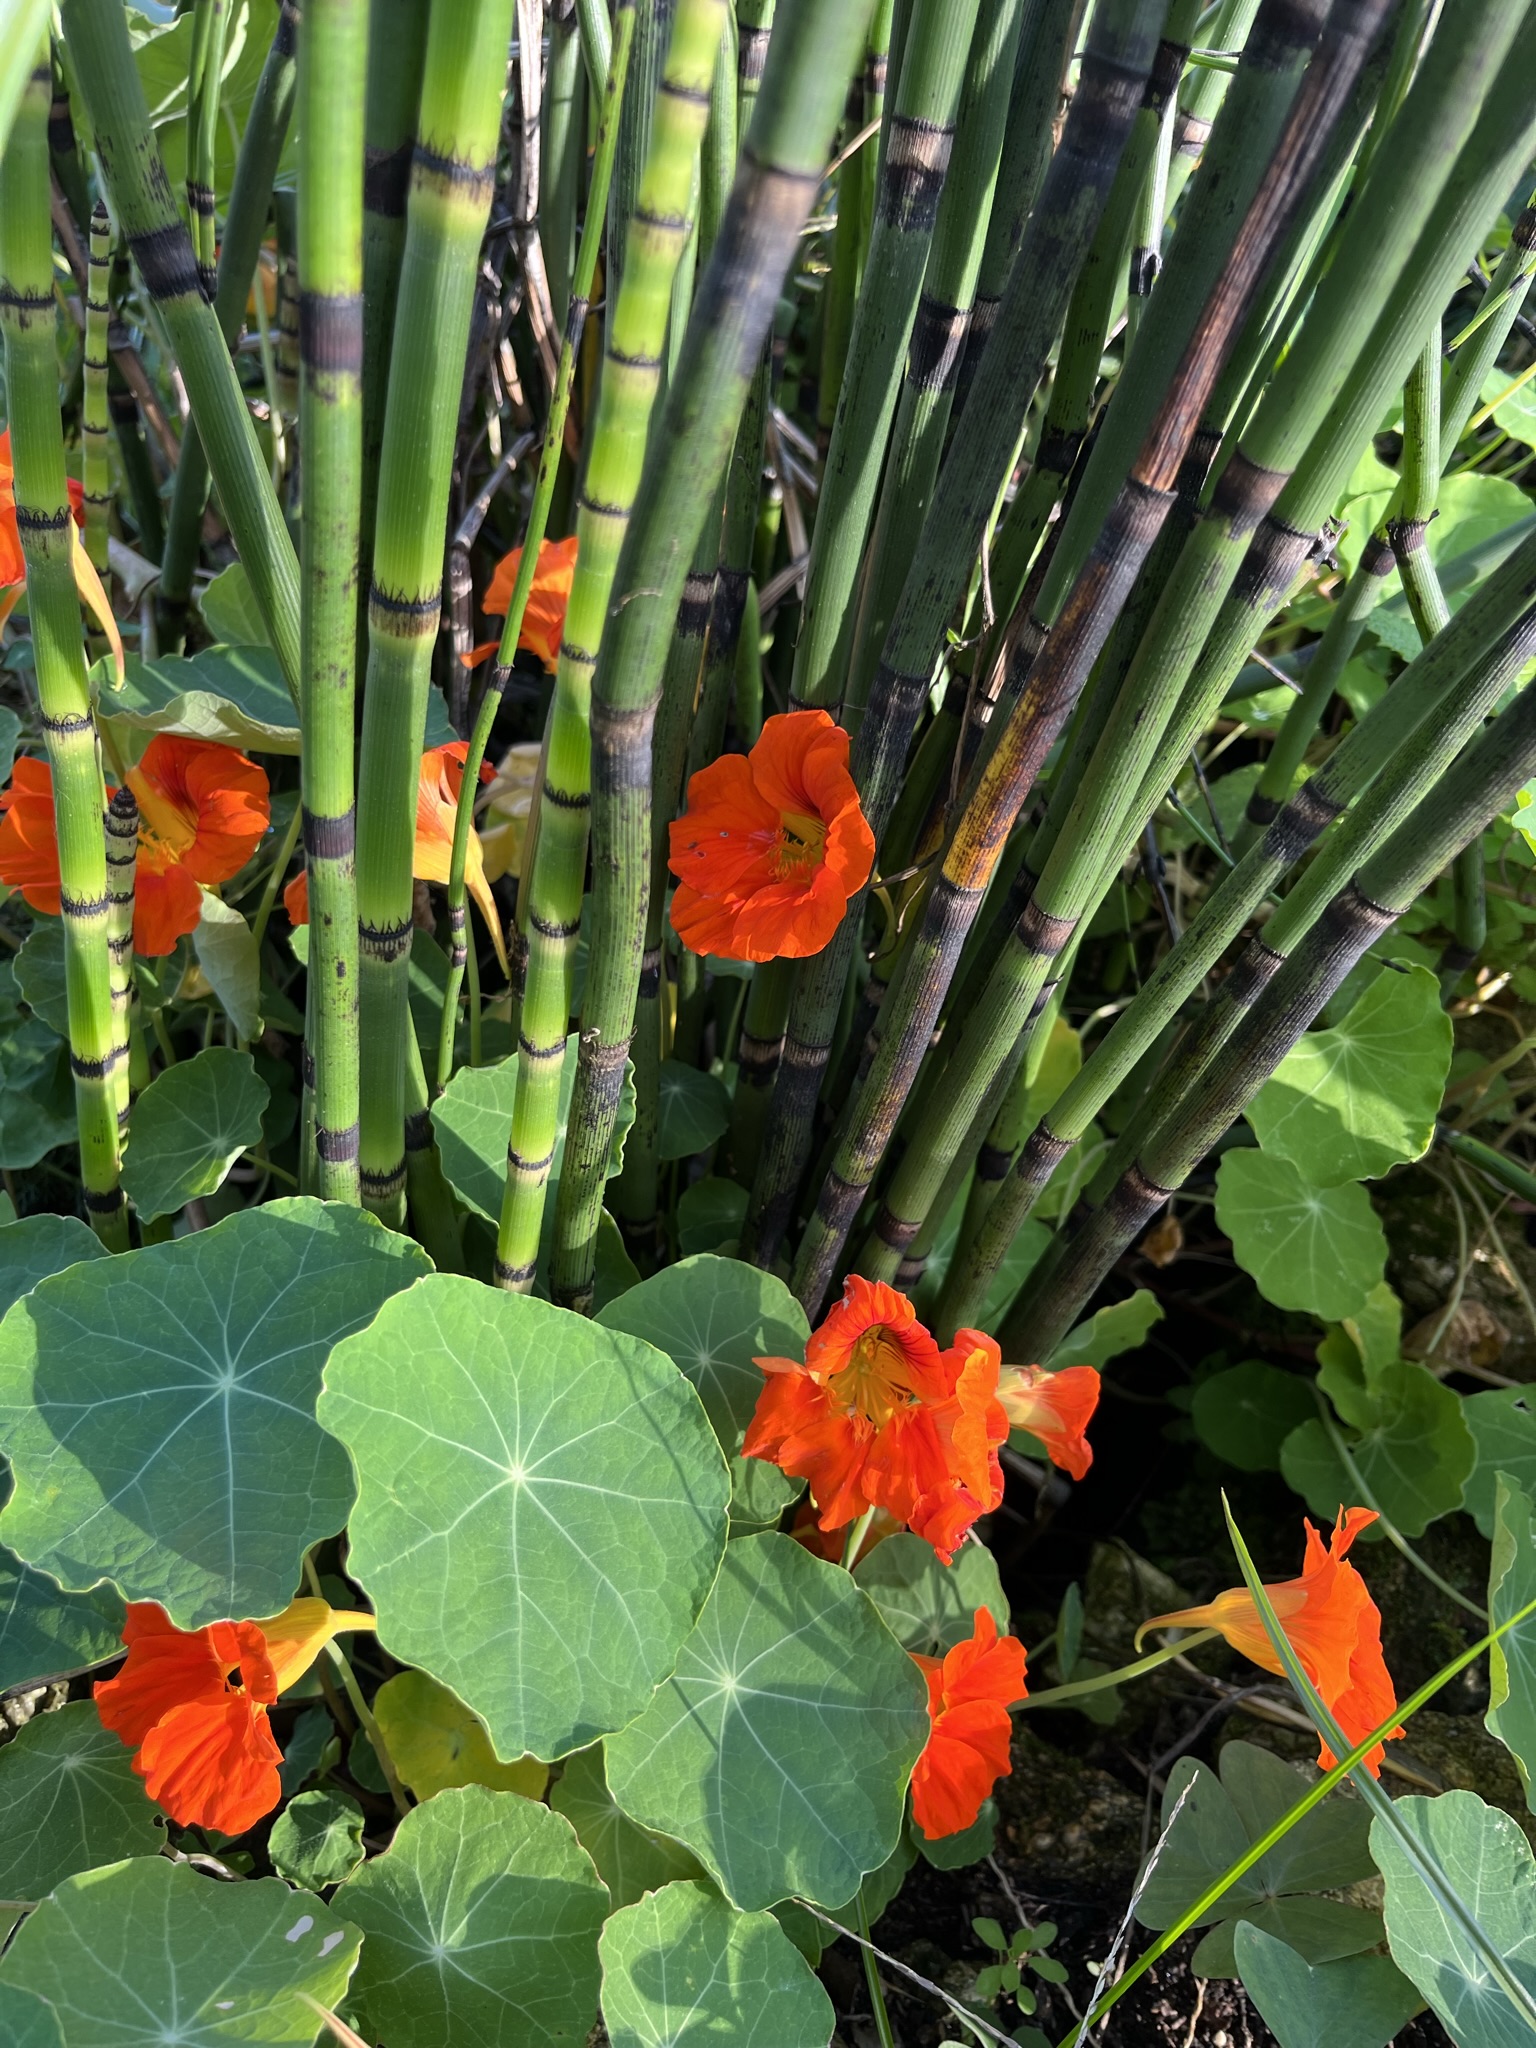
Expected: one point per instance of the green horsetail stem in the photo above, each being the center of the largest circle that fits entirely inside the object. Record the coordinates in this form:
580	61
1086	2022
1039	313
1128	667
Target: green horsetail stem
1476	353
659	230
25	29
95	463
122	854
917	135
44	523
579	302
205	79
245	220
1469	792
1440	693
1121	40
397	43
332	70
1056	680
96	32
452	176
562	156
1201	97
811	57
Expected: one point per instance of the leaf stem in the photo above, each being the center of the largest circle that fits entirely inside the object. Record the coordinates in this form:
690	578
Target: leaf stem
1058	1695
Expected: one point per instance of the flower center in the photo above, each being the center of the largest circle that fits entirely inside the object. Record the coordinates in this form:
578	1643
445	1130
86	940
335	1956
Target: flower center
876	1381
165	831
799	846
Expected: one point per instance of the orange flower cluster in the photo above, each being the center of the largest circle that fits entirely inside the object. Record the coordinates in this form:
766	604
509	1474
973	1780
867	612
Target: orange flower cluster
969	1693
1330	1621
876	1415
193	1705
772	845
437	803
549	594
202	812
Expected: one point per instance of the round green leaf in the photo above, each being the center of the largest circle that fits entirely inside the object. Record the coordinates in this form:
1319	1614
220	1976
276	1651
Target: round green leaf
1349	1103
1357	2002
760	1493
147	1952
780	1748
541	1506
694	1110
480	1925
48	1634
159	1408
682	1969
39	968
1511	1712
38	1246
190	1126
227	953
928	1606
473	1114
714	1318
1503	1426
1245	1413
710	1213
27	2021
317	1839
36	1095
69	1801
1414	1452
1313	1248
630	1860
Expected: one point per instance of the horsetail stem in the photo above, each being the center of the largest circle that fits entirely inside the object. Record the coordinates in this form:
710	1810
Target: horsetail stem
452	174
122	853
205	78
809	62
43	521
94	461
332	69
659	229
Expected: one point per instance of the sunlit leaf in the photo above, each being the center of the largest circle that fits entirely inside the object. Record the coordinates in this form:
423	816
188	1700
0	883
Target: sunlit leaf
189	1127
928	1606
1307	1247
69	1801
317	1839
630	1860
434	1741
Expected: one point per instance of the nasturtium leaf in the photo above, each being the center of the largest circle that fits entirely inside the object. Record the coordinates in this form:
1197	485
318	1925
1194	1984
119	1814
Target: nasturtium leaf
779	1749
542	1506
760	1493
480	1925
812	1936
45	1633
1486	1864
714	1318
472	1116
1313	1248
434	1741
27	2021
630	1860
1503	1426
39	968
190	1126
928	1606
1244	1413
36	1094
710	1213
1215	1824
694	1110
970	1845
1355	2002
159	1408
1349	1103
35	1247
226	951
313	1734
317	1839
69	1801
1511	1712
234	696
1414	1452
148	1952
230	611
683	1969
1123	1326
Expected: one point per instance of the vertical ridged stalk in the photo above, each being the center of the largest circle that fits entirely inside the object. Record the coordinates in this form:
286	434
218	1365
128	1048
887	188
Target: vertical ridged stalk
43	520
122	847
658	231
538	520
917	136
250	197
452	175
95	463
97	34
1508	289
205	81
332	70
561	155
813	53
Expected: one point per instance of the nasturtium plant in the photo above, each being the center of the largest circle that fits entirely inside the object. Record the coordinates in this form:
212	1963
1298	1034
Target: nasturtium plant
1245	1412
631	1860
317	1840
1307	1247
928	1606
540	1511
69	1801
434	1741
191	1124
35	1247
1409	1443
1352	2002
1512	1660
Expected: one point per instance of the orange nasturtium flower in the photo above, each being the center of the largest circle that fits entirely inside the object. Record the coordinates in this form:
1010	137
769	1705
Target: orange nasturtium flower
550	592
202	811
1330	1621
876	1415
13	564
969	1693
1056	1407
772	845
437	803
194	1706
